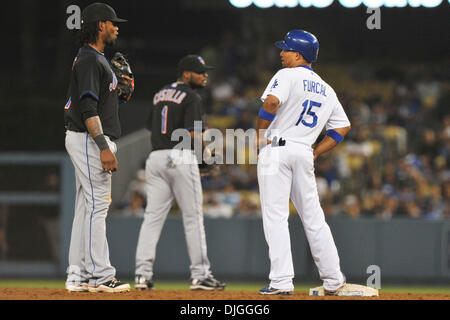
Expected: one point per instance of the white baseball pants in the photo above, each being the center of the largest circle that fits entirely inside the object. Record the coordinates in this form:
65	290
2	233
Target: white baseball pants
287	172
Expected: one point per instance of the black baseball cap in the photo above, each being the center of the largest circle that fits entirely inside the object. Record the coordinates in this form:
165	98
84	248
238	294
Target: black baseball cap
99	12
193	63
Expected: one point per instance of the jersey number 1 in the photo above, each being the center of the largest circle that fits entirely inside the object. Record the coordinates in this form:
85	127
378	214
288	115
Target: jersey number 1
309	112
164	111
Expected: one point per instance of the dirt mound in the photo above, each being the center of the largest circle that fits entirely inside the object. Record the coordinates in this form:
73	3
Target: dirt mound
62	294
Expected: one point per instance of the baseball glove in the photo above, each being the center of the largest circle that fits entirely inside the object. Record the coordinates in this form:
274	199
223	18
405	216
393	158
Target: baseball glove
207	169
124	75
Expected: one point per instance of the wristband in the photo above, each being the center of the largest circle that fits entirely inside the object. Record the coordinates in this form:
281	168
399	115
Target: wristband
263	114
101	142
335	136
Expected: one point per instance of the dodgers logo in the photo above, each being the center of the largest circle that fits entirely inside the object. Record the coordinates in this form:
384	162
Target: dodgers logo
275	84
113	85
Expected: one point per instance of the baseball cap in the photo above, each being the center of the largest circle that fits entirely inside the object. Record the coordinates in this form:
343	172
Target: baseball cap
99	12
193	63
301	41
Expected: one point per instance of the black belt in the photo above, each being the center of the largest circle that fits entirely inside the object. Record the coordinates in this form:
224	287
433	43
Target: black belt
80	131
71	128
75	130
278	142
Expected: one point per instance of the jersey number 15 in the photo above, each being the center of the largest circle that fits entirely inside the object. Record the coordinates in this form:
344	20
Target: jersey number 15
305	105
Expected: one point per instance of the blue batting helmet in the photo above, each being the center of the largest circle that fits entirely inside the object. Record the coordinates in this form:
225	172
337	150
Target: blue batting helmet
301	41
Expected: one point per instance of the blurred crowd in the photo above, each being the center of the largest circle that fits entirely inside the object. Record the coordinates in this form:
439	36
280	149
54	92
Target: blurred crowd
393	163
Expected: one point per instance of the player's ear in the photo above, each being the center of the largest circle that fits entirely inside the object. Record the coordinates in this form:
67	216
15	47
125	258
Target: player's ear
187	75
101	25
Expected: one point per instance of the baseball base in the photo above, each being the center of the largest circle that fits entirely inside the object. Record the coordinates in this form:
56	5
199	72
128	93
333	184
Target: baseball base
347	290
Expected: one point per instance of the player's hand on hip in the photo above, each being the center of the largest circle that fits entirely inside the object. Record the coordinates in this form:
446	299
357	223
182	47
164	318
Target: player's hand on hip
260	143
109	160
315	156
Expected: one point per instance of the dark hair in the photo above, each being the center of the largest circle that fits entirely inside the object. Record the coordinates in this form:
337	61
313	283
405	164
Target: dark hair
88	33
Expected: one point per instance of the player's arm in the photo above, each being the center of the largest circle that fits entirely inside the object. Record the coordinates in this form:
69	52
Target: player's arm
88	74
266	115
331	140
193	114
88	108
338	126
198	139
107	157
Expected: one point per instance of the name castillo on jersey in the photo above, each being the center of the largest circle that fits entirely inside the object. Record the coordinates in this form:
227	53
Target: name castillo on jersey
170	95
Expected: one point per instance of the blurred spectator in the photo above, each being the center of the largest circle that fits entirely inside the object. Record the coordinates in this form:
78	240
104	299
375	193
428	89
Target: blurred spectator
250	205
352	206
214	209
246	121
393	163
229	196
136	186
136	207
390	207
217	180
372	204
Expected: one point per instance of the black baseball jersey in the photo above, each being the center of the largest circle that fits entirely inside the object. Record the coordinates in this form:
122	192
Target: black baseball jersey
92	78
175	106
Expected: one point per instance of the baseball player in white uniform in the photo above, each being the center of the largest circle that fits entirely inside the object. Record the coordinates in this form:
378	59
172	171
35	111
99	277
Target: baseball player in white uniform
297	105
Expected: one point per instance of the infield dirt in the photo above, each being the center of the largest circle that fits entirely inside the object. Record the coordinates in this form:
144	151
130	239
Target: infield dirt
62	294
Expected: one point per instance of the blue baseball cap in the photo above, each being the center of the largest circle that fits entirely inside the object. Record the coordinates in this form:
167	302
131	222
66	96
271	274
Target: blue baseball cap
301	41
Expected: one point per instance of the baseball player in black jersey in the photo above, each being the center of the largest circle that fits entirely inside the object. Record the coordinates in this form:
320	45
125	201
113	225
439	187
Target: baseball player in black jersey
92	121
173	174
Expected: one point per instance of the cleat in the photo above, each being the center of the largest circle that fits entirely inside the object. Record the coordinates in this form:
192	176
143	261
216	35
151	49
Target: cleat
111	286
270	290
140	283
77	287
207	284
333	293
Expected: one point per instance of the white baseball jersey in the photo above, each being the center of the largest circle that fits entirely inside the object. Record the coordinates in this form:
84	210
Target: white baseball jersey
307	104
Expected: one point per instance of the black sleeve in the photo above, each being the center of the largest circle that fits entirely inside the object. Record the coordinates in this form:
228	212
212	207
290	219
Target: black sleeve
193	112
88	76
88	107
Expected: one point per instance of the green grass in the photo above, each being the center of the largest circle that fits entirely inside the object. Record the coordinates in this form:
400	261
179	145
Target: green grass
232	286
